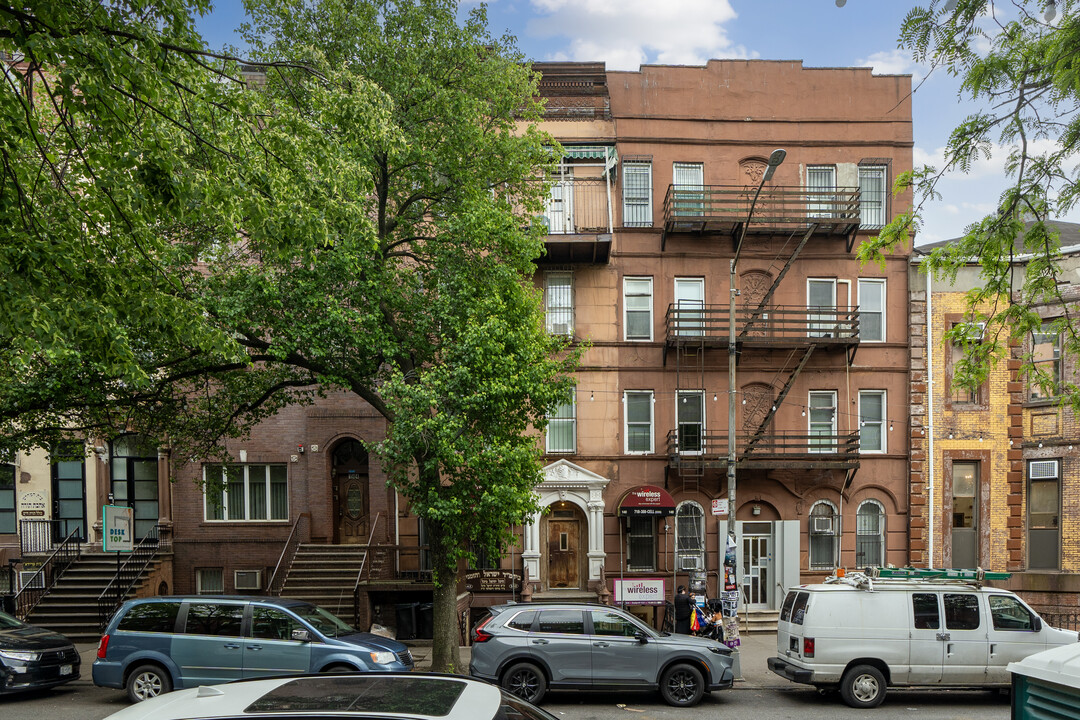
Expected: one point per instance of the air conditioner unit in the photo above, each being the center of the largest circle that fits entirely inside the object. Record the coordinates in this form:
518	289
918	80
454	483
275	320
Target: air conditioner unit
27	579
560	329
822	525
247	579
689	562
1043	470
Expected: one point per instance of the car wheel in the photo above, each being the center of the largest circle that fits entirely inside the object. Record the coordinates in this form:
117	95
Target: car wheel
682	686
148	681
526	681
338	668
863	686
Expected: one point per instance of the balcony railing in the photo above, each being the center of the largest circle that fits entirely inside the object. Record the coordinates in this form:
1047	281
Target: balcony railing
690	446
779	325
724	209
579	205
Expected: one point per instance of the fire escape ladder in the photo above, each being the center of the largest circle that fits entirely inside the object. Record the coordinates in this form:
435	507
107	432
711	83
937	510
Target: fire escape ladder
690	364
756	313
760	432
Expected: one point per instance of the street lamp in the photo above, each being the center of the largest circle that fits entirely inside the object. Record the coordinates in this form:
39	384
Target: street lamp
775	159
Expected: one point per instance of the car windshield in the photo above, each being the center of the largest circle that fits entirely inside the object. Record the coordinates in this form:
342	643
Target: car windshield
514	708
433	697
7	622
322	620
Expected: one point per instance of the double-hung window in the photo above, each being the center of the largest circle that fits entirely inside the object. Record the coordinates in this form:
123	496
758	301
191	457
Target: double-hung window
872	196
562	427
821	191
824	532
637	194
637	302
1046	356
822	419
639	420
872	421
871	310
246	492
559	302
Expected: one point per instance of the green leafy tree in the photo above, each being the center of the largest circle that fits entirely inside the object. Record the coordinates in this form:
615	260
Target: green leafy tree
1018	62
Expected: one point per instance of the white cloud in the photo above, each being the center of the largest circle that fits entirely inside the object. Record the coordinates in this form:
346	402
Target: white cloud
627	33
983	168
891	62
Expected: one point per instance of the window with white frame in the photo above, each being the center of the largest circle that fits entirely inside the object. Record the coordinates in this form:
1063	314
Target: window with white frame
559	302
870	534
639	420
872	196
1044	515
689	188
690	415
689	536
871	310
1046	357
637	304
824	532
822	421
562	427
872	421
236	493
209	581
637	194
821	190
640	543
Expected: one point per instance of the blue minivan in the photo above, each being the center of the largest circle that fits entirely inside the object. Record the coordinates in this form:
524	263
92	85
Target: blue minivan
154	645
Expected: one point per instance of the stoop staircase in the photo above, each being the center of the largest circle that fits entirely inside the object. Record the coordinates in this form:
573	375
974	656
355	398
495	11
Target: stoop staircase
326	574
71	607
763	621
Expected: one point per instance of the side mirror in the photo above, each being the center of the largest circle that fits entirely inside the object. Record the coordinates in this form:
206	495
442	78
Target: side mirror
641	637
1038	623
301	635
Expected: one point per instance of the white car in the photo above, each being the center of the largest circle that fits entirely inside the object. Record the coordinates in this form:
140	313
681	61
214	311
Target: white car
395	696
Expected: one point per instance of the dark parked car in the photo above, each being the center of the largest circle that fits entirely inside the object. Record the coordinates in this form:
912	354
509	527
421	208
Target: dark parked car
529	648
377	696
33	657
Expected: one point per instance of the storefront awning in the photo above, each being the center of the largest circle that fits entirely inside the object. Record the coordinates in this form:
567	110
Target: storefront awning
588	152
648	500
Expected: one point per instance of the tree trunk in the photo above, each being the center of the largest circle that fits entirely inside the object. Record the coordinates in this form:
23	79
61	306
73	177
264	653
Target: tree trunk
446	638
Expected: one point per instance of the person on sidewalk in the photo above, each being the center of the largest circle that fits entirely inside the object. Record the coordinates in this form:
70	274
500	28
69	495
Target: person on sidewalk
682	611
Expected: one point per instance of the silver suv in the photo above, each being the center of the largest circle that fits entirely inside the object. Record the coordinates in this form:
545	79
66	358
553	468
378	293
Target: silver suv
528	648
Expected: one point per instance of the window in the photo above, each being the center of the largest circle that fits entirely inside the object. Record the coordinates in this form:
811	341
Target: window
1044	515
969	333
689	188
570	622
641	543
69	489
1046	356
209	581
822	419
870	535
150	617
637	194
823	534
214	619
1008	613
637	302
872	421
689	319
961	611
559	302
927	613
872	196
690	536
607	622
690	412
821	305
639	420
562	427
821	190
523	620
246	492
7	498
871	310
272	624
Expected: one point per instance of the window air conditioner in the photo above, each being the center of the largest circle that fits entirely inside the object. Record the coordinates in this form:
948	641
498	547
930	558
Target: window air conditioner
27	580
822	525
689	562
248	579
1043	470
560	328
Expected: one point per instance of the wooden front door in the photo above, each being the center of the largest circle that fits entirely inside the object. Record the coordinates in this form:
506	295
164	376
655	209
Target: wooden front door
351	493
563	534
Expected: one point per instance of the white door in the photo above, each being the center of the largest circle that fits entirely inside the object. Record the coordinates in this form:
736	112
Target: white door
689	305
821	307
757	559
689	188
1012	636
559	208
965	639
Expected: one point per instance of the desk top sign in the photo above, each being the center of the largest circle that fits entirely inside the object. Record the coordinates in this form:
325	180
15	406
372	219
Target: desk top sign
118	528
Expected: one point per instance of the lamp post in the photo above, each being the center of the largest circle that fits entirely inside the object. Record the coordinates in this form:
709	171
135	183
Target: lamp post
775	159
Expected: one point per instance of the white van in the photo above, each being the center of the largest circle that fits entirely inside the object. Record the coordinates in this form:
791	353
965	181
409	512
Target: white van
863	633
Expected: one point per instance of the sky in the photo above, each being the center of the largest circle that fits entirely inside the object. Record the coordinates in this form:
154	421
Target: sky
627	33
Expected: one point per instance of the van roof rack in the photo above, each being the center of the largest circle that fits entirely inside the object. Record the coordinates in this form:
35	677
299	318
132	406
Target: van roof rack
911	573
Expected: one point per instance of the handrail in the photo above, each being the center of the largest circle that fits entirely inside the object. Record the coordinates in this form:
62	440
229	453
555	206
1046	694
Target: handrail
51	570
776	205
293	541
116	591
360	572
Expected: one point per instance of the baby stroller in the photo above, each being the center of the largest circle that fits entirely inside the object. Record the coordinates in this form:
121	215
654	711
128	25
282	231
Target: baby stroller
706	621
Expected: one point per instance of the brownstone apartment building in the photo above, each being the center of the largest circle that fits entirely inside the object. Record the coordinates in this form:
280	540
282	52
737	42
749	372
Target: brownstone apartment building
652	197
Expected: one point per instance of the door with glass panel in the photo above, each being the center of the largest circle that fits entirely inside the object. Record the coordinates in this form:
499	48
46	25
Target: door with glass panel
757	559
689	307
965	514
689	188
821	307
821	191
690	412
69	491
134	470
822	419
350	468
559	208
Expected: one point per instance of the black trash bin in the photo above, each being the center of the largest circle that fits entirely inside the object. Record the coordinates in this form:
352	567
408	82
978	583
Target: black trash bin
406	621
425	621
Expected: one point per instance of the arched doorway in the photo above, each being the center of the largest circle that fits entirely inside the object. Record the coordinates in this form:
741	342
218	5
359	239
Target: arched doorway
566	537
350	483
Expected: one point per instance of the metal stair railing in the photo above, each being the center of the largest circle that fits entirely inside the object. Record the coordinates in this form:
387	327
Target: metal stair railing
277	582
360	572
129	573
41	582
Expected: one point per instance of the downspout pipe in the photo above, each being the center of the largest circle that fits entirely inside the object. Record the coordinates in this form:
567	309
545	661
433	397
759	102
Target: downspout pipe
930	395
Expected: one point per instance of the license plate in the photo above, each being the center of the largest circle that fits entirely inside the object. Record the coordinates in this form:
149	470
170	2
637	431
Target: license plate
65	669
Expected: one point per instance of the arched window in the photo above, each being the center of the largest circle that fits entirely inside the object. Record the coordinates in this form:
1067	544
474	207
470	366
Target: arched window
870	534
824	531
690	536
